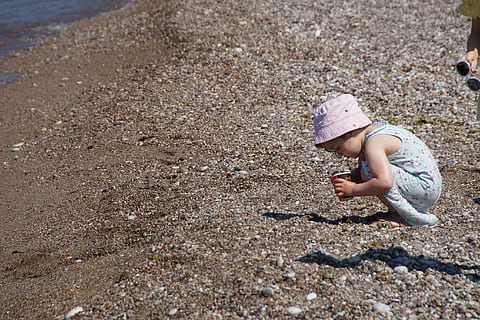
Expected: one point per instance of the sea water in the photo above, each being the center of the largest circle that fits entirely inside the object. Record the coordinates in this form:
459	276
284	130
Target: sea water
23	23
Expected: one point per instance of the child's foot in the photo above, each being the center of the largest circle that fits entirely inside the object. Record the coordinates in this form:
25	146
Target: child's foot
391	220
387	224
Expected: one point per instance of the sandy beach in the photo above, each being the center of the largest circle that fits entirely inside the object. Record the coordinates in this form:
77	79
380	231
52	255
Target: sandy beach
157	162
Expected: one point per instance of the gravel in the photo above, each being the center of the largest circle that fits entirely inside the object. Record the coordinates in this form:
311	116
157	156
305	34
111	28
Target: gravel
169	171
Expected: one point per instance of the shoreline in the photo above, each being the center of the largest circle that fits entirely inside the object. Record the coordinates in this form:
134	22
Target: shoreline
59	78
54	70
8	78
48	18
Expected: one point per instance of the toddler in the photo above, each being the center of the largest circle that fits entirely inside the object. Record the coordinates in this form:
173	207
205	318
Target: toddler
393	164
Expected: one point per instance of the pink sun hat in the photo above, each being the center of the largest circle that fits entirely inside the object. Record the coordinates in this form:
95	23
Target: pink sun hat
338	116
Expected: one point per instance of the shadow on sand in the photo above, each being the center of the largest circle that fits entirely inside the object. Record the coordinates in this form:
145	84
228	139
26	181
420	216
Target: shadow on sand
394	256
317	218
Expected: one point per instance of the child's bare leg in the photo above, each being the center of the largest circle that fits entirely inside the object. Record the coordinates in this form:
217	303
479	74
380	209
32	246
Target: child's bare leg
392	218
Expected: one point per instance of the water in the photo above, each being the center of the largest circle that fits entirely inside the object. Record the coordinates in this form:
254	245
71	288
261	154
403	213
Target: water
8	78
23	23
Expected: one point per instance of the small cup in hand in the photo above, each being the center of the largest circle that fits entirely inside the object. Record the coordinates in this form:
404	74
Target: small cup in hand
347	175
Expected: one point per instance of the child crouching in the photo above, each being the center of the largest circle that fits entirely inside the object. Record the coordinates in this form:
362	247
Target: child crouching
393	164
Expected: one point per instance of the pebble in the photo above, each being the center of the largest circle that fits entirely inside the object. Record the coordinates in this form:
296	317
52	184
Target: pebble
400	269
311	296
382	309
354	259
472	238
280	262
360	206
294	311
267	292
172	312
203	169
73	312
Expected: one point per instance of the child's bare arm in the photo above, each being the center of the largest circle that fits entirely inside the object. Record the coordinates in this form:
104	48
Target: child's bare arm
376	151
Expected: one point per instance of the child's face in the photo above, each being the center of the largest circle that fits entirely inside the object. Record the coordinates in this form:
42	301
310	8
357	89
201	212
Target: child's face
346	145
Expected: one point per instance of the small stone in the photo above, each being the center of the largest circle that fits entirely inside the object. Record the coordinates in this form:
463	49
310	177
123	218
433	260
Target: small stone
172	311
381	308
472	238
280	262
294	311
267	292
73	312
311	296
430	277
354	259
203	169
400	269
360	206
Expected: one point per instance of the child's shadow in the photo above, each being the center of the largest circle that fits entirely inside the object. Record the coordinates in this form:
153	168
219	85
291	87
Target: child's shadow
394	256
317	218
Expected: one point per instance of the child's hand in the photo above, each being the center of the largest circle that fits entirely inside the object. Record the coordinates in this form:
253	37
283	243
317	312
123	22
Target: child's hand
472	57
343	188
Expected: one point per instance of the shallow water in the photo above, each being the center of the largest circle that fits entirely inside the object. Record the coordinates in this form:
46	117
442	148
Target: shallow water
8	78
23	23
